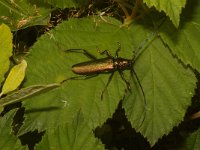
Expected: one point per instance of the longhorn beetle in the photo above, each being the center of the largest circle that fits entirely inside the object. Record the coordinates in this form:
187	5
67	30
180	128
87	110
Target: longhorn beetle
109	64
96	66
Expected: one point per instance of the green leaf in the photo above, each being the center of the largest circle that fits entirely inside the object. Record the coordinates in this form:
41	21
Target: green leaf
59	107
5	50
67	4
23	13
184	42
26	92
72	95
75	135
167	96
193	141
15	77
172	8
8	140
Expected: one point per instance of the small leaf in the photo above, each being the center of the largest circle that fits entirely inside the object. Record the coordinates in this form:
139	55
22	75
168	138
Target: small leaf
15	77
25	93
172	8
5	50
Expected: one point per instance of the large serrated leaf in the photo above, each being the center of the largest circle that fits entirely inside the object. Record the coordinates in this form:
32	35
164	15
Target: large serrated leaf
75	136
184	42
167	96
172	8
73	95
15	77
8	140
5	50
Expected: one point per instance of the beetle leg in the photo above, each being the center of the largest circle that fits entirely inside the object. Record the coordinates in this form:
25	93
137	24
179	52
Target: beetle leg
123	78
83	51
109	79
105	52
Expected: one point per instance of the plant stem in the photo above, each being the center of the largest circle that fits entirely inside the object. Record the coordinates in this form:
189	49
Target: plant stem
122	5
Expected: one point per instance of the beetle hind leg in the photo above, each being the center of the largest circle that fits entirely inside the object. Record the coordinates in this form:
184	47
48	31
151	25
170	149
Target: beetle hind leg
124	79
108	82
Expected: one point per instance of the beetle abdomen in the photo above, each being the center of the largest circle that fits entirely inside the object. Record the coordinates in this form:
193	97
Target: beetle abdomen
93	67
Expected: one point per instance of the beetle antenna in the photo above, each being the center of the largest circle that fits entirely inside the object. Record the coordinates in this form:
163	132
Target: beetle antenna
145	102
136	76
135	56
143	44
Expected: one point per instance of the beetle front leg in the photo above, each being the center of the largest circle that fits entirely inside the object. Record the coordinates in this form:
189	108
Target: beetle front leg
83	51
105	52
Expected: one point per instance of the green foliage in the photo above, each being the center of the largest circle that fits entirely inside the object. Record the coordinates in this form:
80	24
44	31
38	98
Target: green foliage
23	13
8	140
172	8
73	95
183	42
26	92
5	50
75	135
162	79
70	110
193	141
15	77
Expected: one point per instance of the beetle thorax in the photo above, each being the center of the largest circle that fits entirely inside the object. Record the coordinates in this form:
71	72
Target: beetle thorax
122	64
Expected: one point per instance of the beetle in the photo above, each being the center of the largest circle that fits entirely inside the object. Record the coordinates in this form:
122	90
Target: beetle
108	64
